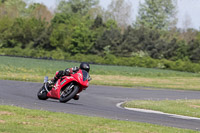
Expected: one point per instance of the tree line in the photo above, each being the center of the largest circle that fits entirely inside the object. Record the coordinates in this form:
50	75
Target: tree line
82	27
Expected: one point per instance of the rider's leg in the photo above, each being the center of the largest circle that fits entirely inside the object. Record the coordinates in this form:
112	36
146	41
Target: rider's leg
57	76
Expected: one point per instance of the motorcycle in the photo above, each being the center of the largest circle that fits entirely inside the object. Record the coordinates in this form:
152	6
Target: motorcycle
66	88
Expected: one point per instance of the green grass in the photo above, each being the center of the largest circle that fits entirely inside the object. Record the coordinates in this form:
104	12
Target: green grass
13	119
17	64
180	107
25	69
20	120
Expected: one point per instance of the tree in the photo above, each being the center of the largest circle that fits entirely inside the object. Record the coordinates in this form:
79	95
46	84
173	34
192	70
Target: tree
76	6
132	39
58	36
98	22
72	33
187	22
194	48
25	33
13	10
188	34
40	11
108	43
5	25
121	12
158	14
82	40
2	1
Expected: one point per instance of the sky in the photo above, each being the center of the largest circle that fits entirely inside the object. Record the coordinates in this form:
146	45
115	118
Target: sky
187	9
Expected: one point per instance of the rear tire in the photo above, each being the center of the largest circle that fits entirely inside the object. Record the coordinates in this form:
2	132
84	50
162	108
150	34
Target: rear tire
42	94
64	99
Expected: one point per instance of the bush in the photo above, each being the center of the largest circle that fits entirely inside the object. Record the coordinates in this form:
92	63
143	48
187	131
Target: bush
108	59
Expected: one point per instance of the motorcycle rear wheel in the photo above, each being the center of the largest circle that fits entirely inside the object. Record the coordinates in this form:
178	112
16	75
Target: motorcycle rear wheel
42	94
65	98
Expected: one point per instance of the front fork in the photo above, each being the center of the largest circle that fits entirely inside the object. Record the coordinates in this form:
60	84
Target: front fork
67	90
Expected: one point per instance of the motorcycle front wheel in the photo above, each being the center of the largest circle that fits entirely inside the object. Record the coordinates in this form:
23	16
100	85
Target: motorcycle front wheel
42	94
68	93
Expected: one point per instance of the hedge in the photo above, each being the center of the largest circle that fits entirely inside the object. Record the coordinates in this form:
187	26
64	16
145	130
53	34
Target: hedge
147	62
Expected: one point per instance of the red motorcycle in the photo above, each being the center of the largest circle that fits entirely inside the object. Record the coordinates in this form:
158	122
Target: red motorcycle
66	88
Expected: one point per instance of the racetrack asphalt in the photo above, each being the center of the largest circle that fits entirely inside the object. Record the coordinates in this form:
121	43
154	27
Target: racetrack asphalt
100	101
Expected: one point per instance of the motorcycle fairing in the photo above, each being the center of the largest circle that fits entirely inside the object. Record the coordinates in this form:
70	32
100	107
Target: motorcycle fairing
77	77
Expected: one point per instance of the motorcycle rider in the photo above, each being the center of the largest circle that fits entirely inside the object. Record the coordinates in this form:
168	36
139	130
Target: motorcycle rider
67	72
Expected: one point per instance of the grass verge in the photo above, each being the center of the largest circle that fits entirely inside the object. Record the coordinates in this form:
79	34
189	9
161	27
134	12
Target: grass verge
20	120
24	69
179	107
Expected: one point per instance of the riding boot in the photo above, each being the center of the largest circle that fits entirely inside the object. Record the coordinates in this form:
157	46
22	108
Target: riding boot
53	81
76	97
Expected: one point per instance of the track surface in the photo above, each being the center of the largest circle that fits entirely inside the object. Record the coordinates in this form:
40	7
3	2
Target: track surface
99	101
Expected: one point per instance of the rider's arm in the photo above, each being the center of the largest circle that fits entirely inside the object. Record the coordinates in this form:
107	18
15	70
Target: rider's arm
70	71
75	69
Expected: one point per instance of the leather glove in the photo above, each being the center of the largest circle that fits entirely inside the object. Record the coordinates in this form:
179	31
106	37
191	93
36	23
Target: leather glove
89	78
68	71
75	69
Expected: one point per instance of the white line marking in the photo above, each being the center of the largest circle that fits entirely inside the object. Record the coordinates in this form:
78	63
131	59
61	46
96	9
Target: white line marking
157	112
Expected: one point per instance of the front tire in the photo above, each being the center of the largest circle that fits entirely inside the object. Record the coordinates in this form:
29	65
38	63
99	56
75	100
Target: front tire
42	94
66	97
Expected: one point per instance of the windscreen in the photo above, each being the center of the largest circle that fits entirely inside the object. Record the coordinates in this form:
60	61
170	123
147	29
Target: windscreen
85	75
